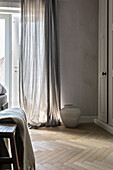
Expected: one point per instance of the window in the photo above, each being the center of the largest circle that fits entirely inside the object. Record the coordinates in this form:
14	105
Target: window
2	51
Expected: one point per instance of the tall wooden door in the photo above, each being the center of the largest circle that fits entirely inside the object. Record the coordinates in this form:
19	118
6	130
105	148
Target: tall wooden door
111	62
102	63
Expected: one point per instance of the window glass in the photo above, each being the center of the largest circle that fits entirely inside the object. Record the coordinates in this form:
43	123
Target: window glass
2	51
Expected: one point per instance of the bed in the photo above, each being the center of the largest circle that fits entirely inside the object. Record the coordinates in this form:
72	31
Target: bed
3	102
3	98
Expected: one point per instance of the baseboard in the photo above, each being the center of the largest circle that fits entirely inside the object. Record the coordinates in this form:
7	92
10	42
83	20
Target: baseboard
103	125
87	119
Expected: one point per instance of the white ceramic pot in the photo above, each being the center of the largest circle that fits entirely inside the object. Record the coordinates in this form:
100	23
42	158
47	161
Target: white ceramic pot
70	115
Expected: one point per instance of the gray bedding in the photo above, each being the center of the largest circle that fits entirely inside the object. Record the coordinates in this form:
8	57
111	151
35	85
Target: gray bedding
23	142
3	100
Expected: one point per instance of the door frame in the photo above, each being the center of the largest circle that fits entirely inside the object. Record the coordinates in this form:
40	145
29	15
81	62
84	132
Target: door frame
110	81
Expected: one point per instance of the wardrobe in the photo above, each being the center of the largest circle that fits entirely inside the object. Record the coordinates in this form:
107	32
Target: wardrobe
105	65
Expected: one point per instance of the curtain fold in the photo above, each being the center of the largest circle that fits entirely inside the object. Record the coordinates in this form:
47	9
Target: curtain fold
52	54
39	71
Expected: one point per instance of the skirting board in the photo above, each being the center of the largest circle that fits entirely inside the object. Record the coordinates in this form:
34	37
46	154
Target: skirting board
87	119
104	125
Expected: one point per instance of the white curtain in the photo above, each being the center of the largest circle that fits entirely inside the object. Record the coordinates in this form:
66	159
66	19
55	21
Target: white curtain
39	80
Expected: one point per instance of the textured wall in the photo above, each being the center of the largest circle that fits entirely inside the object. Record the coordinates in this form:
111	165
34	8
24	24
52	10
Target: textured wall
78	22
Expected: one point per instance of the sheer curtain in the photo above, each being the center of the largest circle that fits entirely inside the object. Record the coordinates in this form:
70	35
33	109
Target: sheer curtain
39	72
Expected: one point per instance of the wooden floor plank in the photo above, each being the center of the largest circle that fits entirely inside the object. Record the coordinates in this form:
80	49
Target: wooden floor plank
87	147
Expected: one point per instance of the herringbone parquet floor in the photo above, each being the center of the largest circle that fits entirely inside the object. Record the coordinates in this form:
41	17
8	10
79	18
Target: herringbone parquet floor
87	147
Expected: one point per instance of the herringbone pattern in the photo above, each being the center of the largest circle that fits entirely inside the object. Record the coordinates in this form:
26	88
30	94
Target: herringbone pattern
87	147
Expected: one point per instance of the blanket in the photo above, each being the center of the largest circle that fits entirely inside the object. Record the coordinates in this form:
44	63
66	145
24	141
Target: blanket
23	142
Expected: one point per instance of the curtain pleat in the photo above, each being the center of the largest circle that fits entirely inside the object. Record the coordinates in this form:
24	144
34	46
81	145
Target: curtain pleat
52	54
39	72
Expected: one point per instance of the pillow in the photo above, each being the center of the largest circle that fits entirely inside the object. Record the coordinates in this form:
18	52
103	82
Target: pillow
2	89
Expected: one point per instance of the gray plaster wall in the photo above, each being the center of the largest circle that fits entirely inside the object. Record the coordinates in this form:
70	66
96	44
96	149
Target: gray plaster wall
78	31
